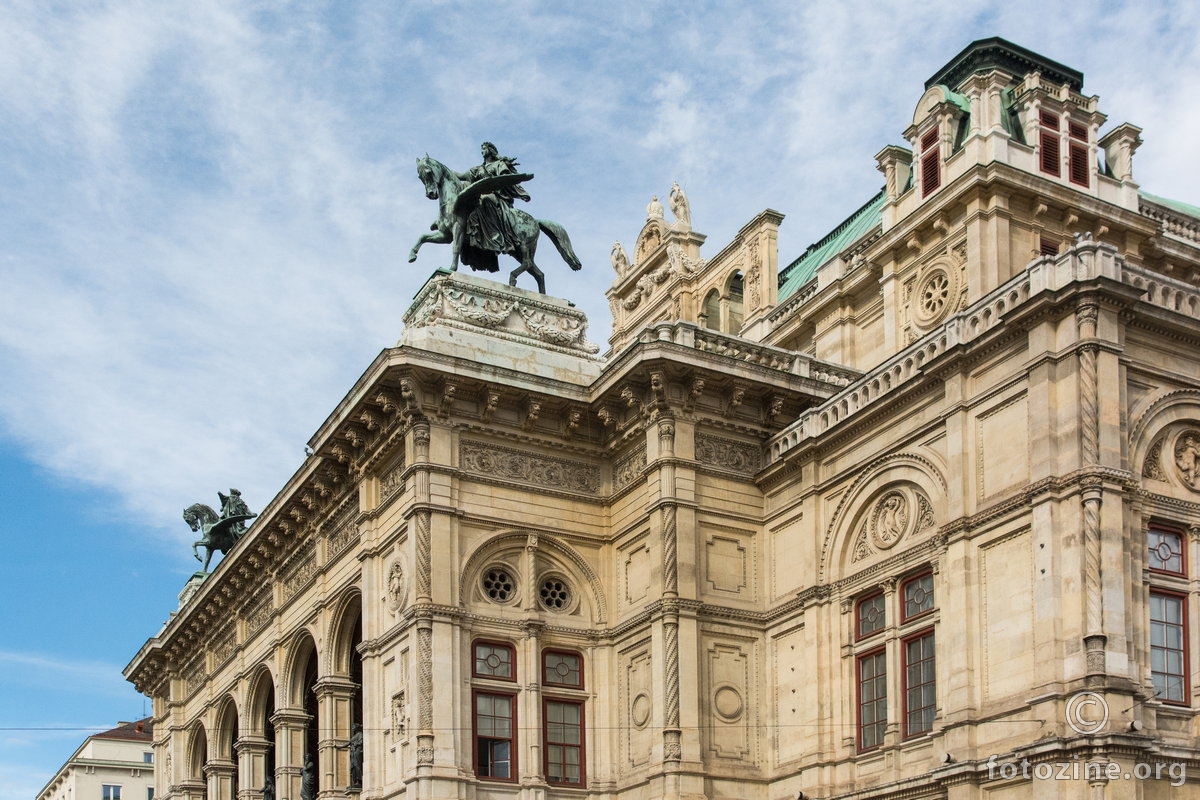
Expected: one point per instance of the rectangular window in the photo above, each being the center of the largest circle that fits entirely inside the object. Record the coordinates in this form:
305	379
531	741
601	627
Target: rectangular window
564	742
561	668
1077	154
1047	246
1049	143
109	792
1165	551
920	684
1168	647
493	660
872	699
918	596
147	758
495	724
869	616
931	162
149	793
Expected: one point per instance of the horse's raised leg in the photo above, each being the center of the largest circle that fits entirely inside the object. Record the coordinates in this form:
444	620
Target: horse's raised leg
196	549
436	237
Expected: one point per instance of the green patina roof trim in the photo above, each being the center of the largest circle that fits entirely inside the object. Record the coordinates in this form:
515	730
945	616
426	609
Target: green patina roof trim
1174	205
984	55
857	225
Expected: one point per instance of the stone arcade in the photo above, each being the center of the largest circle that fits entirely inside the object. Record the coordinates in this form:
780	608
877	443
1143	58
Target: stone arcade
863	526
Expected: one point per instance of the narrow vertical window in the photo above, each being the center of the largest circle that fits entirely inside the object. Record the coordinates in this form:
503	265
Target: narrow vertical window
872	699
1077	154
1050	144
1168	647
920	684
1165	551
564	742
495	721
931	163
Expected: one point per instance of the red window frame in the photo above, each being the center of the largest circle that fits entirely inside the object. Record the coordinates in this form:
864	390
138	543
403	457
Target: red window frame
512	660
859	634
556	747
931	163
875	700
1162	643
1050	143
1152	546
904	615
1077	154
485	764
546	670
918	686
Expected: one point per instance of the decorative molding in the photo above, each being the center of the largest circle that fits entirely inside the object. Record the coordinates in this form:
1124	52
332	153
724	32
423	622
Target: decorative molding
299	570
529	468
629	468
735	456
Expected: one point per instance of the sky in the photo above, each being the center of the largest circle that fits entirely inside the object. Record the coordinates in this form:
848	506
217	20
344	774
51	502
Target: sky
205	218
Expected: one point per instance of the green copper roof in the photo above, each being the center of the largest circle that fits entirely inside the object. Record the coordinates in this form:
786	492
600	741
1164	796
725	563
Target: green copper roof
1174	205
985	55
801	271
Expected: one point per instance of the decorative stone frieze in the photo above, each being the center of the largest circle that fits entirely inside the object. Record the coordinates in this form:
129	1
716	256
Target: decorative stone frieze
713	451
530	468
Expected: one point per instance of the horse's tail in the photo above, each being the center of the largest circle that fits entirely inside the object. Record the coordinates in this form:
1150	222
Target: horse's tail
561	241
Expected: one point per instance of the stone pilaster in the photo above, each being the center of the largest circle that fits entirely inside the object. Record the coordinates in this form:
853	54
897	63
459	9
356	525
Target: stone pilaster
252	755
291	725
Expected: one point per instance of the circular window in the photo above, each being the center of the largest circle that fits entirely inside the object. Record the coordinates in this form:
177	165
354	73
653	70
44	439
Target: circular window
498	585
555	594
934	296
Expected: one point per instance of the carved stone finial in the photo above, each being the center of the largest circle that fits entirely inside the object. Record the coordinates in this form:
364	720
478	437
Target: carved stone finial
655	209
620	261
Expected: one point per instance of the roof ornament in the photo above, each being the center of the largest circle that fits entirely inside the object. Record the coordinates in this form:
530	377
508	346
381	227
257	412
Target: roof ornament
680	207
218	532
477	219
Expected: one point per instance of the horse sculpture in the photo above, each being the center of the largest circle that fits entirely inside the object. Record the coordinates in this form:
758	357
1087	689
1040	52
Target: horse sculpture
456	202
217	533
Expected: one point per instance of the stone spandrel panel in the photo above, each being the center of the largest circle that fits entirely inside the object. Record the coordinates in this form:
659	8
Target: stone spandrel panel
1006	575
635	575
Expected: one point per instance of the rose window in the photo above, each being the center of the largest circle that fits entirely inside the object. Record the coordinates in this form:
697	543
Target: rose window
498	585
554	594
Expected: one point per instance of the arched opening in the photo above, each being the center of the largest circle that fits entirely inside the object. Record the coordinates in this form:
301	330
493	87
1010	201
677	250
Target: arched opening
260	717
733	303
227	749
711	313
309	698
198	758
347	664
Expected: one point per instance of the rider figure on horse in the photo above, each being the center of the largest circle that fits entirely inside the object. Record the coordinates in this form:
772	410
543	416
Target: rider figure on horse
490	223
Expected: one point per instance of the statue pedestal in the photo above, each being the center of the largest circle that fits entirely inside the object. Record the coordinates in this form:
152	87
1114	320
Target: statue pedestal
191	587
467	303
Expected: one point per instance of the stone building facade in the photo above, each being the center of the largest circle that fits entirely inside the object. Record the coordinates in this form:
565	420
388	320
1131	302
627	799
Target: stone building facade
914	516
116	764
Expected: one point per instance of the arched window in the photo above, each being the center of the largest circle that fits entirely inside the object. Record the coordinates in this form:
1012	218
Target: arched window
198	757
733	303
712	311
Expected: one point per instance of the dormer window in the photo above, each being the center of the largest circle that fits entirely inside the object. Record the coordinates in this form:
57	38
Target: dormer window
1050	144
931	163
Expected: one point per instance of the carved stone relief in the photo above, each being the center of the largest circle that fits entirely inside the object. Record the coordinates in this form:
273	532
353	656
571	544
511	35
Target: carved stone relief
397	587
728	454
1152	466
529	468
639	704
1187	458
629	469
899	512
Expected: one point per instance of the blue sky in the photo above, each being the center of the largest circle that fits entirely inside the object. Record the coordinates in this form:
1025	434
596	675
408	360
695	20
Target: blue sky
204	219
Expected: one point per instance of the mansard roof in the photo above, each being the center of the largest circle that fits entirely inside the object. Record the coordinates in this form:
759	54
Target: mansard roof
802	270
984	55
